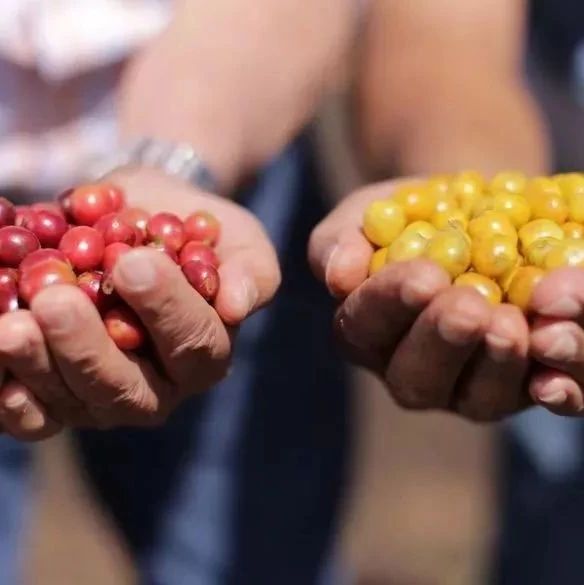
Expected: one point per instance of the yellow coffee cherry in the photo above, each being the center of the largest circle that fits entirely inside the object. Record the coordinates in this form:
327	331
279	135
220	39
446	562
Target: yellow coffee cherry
509	181
570	184
424	228
383	223
537	252
549	206
417	201
485	203
515	207
539	186
451	250
483	285
490	223
576	207
573	230
504	281
445	202
537	230
454	218
439	184
492	257
378	261
522	286
568	253
408	246
467	187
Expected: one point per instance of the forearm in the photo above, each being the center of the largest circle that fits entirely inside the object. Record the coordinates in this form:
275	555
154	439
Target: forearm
237	80
445	121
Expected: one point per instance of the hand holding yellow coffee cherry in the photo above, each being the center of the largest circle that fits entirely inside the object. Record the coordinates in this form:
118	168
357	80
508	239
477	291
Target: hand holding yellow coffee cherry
498	236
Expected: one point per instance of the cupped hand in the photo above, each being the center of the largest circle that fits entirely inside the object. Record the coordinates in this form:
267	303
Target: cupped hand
66	371
435	346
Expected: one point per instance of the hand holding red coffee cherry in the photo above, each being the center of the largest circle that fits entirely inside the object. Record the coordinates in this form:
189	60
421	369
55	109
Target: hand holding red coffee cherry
114	310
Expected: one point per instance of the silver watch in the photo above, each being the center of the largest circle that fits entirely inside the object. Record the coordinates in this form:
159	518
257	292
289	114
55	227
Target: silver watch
176	159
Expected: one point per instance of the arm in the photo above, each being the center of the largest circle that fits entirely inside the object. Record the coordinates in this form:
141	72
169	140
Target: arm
237	79
442	89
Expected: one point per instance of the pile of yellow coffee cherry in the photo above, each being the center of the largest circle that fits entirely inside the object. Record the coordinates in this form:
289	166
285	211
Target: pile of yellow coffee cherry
499	236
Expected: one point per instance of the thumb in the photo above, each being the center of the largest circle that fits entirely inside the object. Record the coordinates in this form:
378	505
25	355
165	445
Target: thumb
338	252
250	276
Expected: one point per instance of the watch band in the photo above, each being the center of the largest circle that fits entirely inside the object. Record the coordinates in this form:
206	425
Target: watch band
176	159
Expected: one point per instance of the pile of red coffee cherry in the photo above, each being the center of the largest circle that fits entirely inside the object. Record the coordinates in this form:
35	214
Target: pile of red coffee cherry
77	240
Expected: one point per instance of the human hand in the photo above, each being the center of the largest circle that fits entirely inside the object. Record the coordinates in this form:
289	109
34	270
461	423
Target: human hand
435	346
66	371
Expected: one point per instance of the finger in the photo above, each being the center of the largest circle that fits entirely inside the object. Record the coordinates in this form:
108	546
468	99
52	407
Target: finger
250	274
373	318
494	385
426	365
561	295
559	344
558	392
338	251
193	343
24	351
114	388
23	416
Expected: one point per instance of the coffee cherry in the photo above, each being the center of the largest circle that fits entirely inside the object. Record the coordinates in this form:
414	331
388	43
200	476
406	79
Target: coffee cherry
451	250
114	229
408	246
573	230
515	207
39	256
510	181
50	206
567	253
47	226
168	229
84	248
137	218
417	201
536	230
494	256
378	260
384	221
522	286
89	203
23	213
424	228
64	202
124	327
7	213
538	251
8	297
204	278
116	195
549	206
453	218
15	244
202	226
112	253
483	285
91	284
9	276
43	275
198	252
489	224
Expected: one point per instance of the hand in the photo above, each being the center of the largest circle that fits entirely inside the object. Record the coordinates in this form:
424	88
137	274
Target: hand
67	371
557	342
435	346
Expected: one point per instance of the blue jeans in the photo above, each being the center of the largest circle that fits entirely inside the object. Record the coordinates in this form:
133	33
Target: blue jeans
241	486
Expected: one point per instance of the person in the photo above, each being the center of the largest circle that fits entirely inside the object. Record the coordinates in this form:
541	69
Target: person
201	499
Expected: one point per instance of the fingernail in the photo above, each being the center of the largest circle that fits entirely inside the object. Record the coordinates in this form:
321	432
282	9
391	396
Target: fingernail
564	348
500	348
457	329
565	307
136	271
330	262
244	298
16	402
553	394
32	420
416	292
